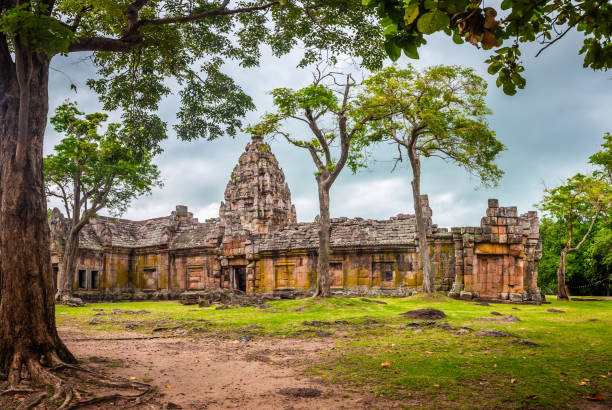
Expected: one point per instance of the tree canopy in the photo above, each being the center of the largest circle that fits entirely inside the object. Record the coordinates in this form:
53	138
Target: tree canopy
92	170
143	47
438	113
577	205
501	26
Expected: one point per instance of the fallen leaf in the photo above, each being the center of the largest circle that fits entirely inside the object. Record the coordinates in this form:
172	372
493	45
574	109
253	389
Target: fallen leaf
270	362
436	385
495	365
512	381
582	384
595	397
168	386
531	396
388	351
603	376
428	352
132	378
385	364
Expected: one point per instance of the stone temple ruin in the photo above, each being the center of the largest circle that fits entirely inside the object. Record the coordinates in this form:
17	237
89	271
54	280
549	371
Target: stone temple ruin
257	245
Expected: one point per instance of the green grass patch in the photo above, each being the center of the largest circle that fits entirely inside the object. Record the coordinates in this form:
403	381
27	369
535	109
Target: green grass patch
440	368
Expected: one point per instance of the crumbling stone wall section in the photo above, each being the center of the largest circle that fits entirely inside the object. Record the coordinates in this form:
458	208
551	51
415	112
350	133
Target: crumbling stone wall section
498	259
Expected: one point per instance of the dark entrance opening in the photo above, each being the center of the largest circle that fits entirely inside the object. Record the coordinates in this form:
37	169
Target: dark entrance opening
240	272
55	273
95	279
82	279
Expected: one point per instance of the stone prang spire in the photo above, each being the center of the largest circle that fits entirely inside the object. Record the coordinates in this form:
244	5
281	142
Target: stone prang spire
257	198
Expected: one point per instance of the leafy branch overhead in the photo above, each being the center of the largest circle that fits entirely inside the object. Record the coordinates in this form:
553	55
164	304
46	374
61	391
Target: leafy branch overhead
407	22
141	47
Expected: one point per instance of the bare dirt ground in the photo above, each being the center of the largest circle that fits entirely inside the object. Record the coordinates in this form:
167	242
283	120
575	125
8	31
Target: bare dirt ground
209	373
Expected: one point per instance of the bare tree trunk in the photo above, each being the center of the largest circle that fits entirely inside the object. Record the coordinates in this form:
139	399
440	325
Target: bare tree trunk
428	285
562	289
27	309
323	286
65	281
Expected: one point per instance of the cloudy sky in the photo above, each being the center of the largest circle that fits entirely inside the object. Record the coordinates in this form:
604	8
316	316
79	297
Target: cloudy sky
550	129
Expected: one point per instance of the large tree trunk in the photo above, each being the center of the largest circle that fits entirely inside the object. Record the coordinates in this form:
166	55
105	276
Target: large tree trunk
323	286
428	285
27	308
66	278
562	290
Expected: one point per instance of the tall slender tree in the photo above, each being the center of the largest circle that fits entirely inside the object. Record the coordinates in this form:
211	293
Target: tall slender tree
337	140
437	113
89	172
137	46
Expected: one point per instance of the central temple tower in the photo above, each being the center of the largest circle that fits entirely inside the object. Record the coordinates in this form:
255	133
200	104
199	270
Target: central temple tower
257	198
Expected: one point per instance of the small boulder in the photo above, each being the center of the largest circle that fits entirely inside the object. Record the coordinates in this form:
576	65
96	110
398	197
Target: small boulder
493	333
427	313
380	302
496	313
553	310
74	302
525	342
463	295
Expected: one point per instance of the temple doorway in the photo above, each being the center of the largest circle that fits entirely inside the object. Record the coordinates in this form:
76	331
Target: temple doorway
240	278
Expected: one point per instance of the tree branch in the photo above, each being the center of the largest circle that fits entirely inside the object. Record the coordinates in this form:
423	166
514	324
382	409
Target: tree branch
593	219
220	11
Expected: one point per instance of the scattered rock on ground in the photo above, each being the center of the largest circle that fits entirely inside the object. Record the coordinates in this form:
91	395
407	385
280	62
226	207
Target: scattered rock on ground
315	323
515	308
493	333
482	304
300	309
380	302
501	319
75	302
300	392
245	338
593	320
427	313
422	323
496	313
446	326
525	342
553	310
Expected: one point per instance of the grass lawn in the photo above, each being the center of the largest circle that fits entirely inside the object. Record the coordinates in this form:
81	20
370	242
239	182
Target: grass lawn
437	367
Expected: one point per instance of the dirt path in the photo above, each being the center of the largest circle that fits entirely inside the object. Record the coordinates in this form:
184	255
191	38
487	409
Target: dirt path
206	373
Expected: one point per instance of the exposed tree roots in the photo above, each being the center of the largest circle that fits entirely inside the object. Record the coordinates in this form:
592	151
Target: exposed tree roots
48	384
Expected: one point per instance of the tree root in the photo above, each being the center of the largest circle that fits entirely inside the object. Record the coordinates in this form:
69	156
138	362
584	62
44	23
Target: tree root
64	391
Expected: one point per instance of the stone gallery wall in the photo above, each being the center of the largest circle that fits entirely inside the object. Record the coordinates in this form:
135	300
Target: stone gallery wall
257	245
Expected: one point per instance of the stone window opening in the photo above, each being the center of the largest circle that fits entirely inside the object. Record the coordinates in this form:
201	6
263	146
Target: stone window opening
95	279
387	273
82	283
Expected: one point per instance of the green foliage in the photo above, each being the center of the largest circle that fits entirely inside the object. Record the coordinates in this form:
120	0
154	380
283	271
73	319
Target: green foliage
440	112
406	22
587	268
314	105
30	24
578	219
163	46
90	171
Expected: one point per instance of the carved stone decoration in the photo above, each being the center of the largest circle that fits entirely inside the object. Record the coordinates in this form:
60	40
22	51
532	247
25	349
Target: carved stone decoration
257	198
